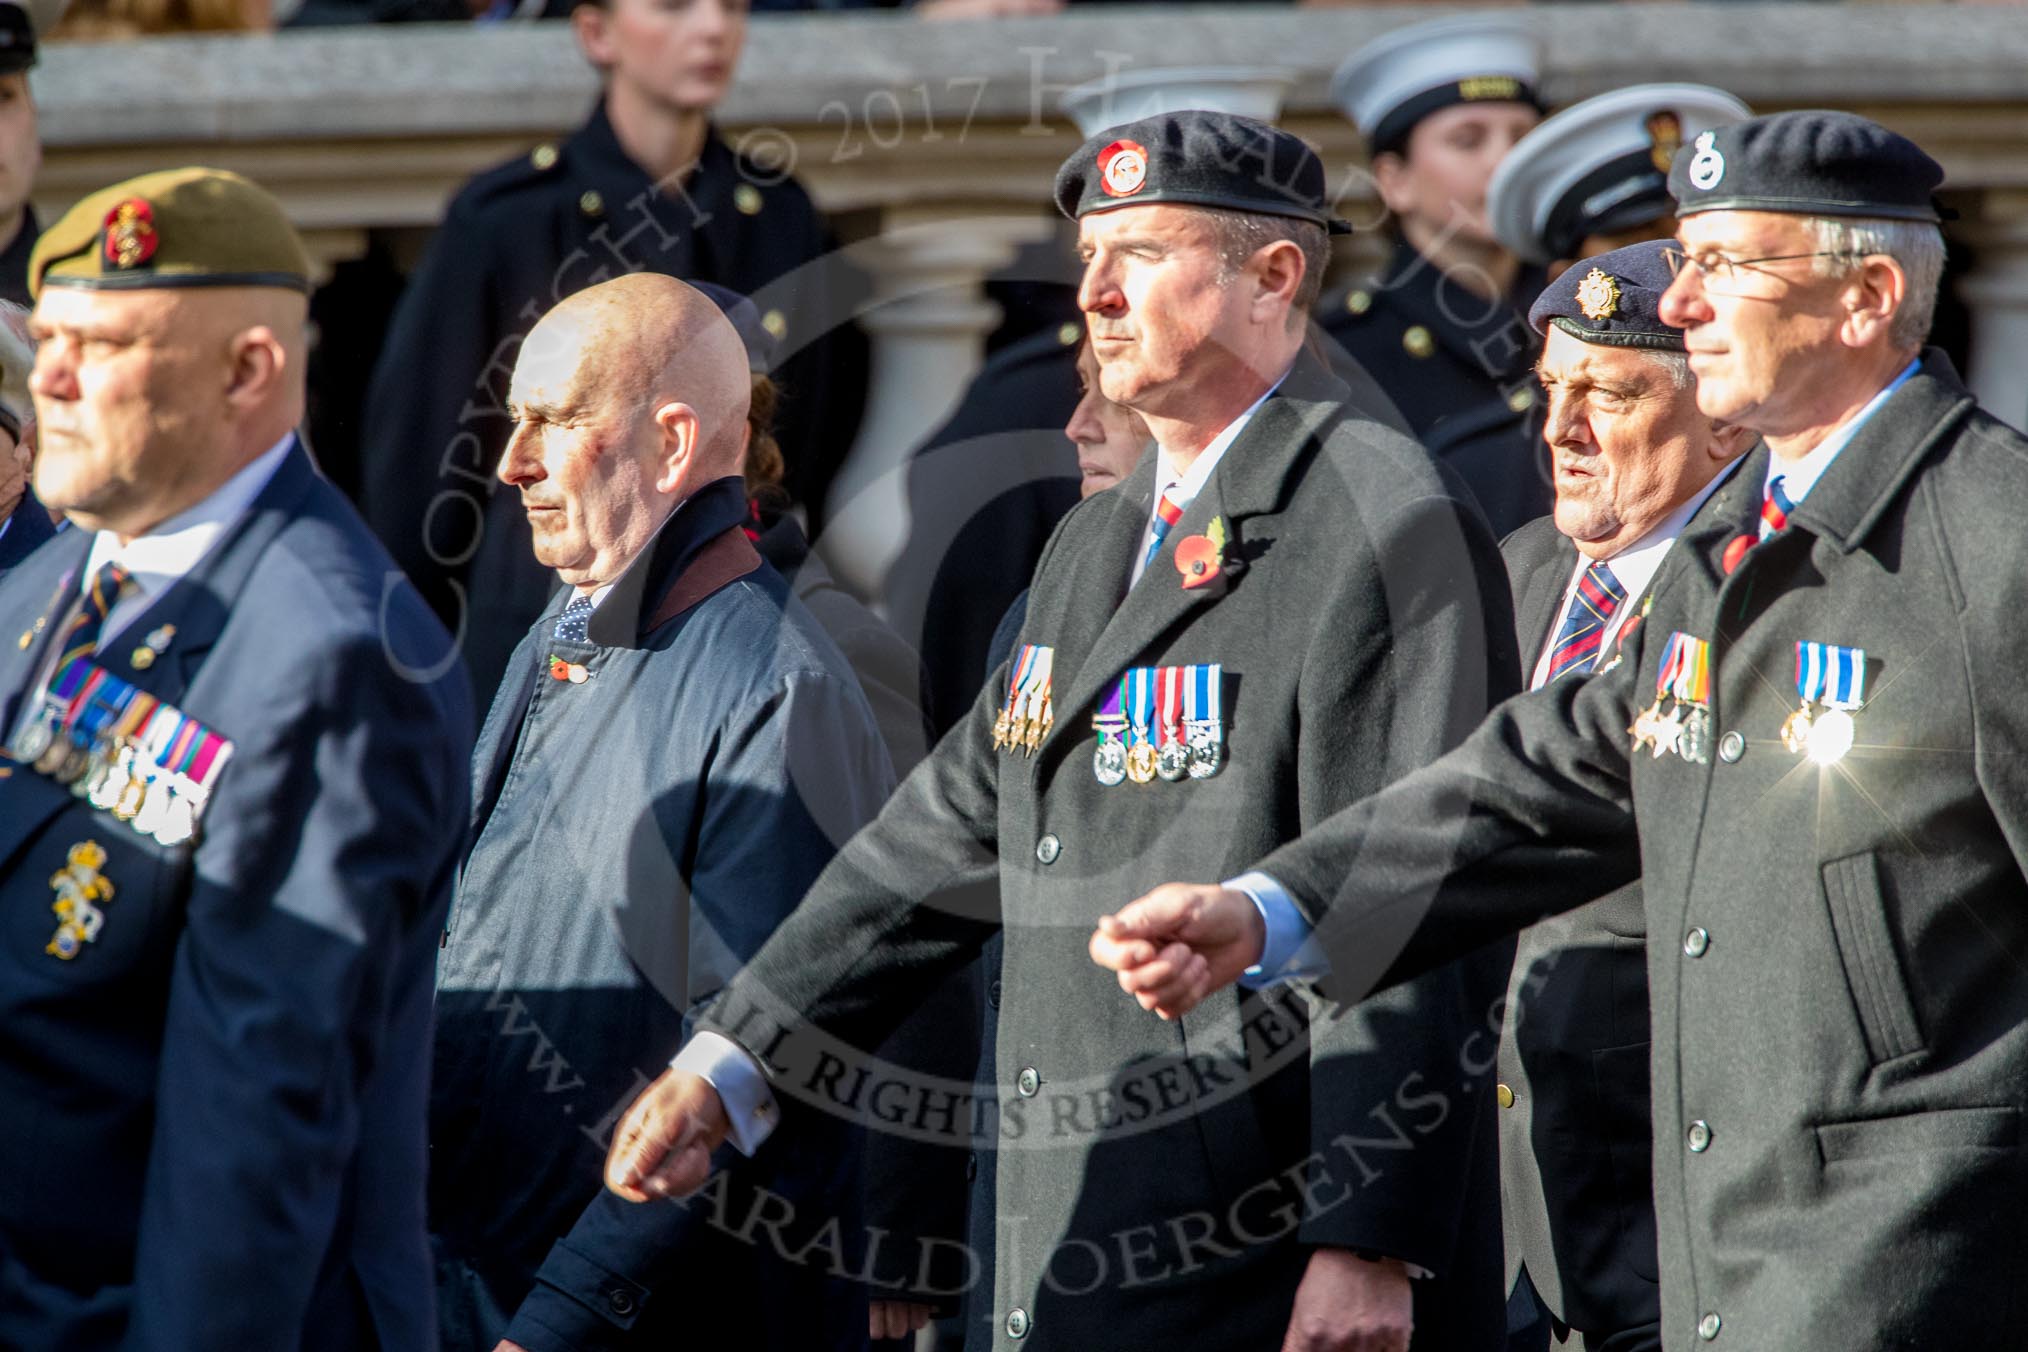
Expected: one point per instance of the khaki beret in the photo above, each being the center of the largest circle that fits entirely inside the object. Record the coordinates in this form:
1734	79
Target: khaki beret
177	227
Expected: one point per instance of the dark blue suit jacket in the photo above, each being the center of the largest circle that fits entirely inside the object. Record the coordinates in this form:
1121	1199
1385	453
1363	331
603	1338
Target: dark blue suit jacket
214	1112
27	527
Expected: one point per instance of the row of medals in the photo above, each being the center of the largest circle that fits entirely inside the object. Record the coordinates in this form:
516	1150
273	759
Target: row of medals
1197	755
1685	730
1023	733
109	778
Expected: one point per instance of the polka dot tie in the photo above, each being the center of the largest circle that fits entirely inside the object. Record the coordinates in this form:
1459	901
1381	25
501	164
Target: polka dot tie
570	627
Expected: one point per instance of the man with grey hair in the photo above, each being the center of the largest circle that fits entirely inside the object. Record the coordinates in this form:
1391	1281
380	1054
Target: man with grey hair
24	522
1634	459
1281	607
1809	752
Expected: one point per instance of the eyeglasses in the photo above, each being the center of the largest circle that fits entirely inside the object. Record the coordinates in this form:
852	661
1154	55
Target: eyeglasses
1712	266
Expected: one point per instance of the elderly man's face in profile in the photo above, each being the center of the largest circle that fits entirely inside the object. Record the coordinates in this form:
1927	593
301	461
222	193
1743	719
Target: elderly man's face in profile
1154	298
1628	445
582	464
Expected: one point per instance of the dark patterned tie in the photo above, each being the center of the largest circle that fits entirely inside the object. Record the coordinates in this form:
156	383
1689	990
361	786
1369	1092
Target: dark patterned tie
81	637
570	626
1592	603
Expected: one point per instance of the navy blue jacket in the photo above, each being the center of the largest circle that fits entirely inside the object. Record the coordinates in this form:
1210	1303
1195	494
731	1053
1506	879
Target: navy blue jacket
213	1114
636	838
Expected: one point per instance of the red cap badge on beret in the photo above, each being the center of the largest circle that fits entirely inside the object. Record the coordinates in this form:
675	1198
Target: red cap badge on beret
130	234
1123	168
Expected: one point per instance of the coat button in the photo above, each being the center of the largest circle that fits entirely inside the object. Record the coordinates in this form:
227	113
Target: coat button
1028	1083
1047	848
1418	341
1707	1327
1503	1096
591	204
993	994
1696	941
620	1302
1731	747
1017	1323
1699	1137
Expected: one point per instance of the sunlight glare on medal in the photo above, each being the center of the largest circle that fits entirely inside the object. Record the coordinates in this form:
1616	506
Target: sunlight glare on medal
1830	737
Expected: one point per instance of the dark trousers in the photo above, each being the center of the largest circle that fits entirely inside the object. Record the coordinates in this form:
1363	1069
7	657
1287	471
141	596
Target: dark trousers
1531	1328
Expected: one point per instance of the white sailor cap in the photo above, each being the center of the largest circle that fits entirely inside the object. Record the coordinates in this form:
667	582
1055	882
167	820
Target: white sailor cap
1599	166
1397	80
1136	95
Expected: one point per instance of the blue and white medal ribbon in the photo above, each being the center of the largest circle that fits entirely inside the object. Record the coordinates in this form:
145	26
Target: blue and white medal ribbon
1203	714
1141	724
1834	678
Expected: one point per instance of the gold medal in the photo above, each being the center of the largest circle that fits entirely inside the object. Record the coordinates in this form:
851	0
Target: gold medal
1643	730
1000	729
1141	763
1796	730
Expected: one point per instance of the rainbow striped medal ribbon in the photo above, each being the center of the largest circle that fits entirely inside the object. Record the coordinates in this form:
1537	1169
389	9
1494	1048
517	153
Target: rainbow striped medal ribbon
1692	688
1017	677
1653	729
1140	685
1041	712
180	763
1109	761
1835	678
1203	718
42	741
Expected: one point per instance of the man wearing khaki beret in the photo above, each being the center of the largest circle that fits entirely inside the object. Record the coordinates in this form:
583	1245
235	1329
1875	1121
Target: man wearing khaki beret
233	776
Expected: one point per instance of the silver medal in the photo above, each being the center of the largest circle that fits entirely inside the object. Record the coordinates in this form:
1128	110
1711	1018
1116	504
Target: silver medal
1109	762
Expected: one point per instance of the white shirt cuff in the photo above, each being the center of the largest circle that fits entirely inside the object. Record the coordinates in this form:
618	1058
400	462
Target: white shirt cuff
741	1084
1291	952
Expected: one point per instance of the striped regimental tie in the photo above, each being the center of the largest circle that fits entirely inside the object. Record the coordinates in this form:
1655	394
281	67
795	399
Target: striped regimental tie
1592	603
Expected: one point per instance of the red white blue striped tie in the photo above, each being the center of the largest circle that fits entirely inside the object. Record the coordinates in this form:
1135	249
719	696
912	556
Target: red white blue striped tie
1592	603
1774	508
1167	514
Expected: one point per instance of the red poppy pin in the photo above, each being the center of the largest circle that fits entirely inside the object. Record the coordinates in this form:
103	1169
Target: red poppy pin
1200	558
130	234
1123	168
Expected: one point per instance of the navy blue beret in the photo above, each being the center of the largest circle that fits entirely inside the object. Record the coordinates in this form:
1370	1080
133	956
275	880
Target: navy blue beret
746	321
1612	298
1810	163
1201	159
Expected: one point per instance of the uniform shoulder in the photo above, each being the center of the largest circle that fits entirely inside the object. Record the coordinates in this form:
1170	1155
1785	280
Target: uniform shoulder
531	171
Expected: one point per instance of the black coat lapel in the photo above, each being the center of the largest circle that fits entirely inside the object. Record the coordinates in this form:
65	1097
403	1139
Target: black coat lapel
1542	593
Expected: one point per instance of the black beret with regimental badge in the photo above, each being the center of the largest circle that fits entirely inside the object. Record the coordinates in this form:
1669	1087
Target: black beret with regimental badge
1613	299
1197	158
1809	163
173	228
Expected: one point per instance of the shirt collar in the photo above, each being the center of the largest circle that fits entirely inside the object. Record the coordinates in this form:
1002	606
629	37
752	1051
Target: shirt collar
1191	482
1800	476
159	559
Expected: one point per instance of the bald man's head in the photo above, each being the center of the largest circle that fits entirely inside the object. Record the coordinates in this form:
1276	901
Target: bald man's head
627	398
